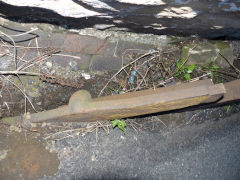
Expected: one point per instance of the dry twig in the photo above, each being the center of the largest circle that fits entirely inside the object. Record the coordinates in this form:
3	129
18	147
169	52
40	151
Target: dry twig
234	67
137	59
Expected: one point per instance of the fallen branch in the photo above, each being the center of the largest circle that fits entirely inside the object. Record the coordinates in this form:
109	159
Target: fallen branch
19	73
234	67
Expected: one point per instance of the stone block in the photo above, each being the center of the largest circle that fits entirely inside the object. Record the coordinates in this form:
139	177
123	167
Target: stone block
204	52
103	63
87	45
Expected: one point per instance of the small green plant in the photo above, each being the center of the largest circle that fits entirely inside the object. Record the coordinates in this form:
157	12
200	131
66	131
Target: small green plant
185	70
213	69
121	124
227	108
113	90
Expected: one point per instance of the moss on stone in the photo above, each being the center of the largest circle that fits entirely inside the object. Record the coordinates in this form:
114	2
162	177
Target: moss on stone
8	120
185	51
222	45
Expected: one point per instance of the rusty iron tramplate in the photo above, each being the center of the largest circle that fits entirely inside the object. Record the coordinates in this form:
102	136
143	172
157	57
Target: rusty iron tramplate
232	92
83	108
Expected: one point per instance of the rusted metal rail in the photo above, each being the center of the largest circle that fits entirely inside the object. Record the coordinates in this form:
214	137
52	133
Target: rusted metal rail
83	108
232	92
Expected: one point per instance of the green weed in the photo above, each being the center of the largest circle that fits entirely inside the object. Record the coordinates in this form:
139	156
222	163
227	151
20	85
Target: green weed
227	108
213	69
185	70
121	124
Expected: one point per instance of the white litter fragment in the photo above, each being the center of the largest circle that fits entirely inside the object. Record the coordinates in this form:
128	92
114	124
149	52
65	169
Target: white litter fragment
86	76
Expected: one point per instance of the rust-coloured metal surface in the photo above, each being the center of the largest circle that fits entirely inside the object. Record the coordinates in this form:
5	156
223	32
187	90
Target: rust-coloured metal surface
232	92
83	108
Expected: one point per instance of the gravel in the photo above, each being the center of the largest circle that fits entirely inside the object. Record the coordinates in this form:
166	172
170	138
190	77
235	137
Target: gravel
209	150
